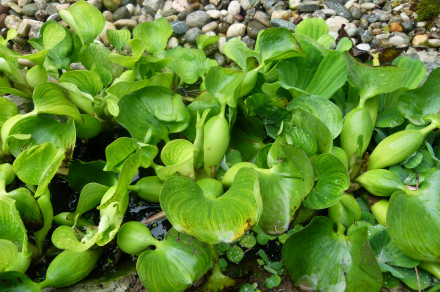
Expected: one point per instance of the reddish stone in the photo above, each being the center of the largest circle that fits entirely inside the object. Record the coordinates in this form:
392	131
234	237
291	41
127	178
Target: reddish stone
395	27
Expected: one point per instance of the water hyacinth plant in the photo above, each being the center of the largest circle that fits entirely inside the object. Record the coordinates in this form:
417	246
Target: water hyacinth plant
296	144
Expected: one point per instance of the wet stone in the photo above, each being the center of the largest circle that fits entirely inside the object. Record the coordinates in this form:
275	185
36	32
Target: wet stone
283	23
197	19
254	28
29	9
192	34
121	13
355	12
179	27
308	6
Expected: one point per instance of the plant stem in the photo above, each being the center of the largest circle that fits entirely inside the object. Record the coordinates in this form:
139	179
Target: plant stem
217	281
432	268
154	217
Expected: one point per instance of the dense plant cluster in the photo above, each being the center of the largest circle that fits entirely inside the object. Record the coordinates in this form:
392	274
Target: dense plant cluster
428	9
278	144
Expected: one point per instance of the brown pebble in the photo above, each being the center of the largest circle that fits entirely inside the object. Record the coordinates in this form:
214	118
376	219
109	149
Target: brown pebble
2	20
419	40
298	20
395	27
222	28
238	17
4	9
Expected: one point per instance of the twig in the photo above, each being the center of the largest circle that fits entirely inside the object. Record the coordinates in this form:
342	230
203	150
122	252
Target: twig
418	279
154	217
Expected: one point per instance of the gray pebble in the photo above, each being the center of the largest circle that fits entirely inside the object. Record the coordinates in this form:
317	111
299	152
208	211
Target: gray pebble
179	27
148	10
308	6
197	19
397	41
407	26
51	8
283	23
373	18
223	27
254	28
125	2
111	5
30	9
367	36
121	13
250	43
363	22
319	14
41	4
192	34
352	32
41	15
434	42
340	9
364	47
355	12
209	7
221	60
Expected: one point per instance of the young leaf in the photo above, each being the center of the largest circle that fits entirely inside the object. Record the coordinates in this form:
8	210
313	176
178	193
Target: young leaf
222	84
185	203
154	35
118	38
333	180
85	20
96	58
37	165
277	44
177	155
9	109
312	27
237	51
303	253
27	207
204	40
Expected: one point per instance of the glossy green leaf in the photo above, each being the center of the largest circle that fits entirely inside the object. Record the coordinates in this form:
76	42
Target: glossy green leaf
330	76
8	254
137	49
96	58
416	74
333	180
371	81
118	38
380	182
319	130
49	98
155	34
386	250
85	20
11	225
413	220
277	44
235	254
204	40
189	64
17	282
36	75
177	262
9	109
177	155
82	82
89	198
37	165
82	173
301	138
152	113
389	118
69	268
409	277
27	207
36	130
119	150
350	264
237	51
321	108
185	203
313	27
417	103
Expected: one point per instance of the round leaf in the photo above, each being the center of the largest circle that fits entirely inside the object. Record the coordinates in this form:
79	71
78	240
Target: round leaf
223	219
155	34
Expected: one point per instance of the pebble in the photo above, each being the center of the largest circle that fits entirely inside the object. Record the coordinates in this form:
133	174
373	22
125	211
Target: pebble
25	26
367	36
12	21
235	30
209	27
340	9
419	40
103	35
180	5
121	13
214	14
364	47
179	27
128	23
197	19
223	27
172	43
329	12
111	5
368	6
234	7
394	26
308	6
434	42
335	23
293	4
254	28
355	12
29	9
283	23
397	41
262	17
245	4
192	34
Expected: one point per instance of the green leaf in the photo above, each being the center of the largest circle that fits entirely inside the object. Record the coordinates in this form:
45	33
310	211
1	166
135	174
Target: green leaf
237	51
49	98
8	254
11	225
36	130
222	84
37	165
177	155
386	250
350	264
235	254
301	138
118	38
89	198
189	64
152	113
177	262
88	83
119	150
333	180
319	130
17	282
82	173
389	118
137	49
27	207
312	27
416	73
414	218
204	40
321	108
154	35
9	109
371	81
96	58
272	282
277	44
417	103
185	203
85	20
330	76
